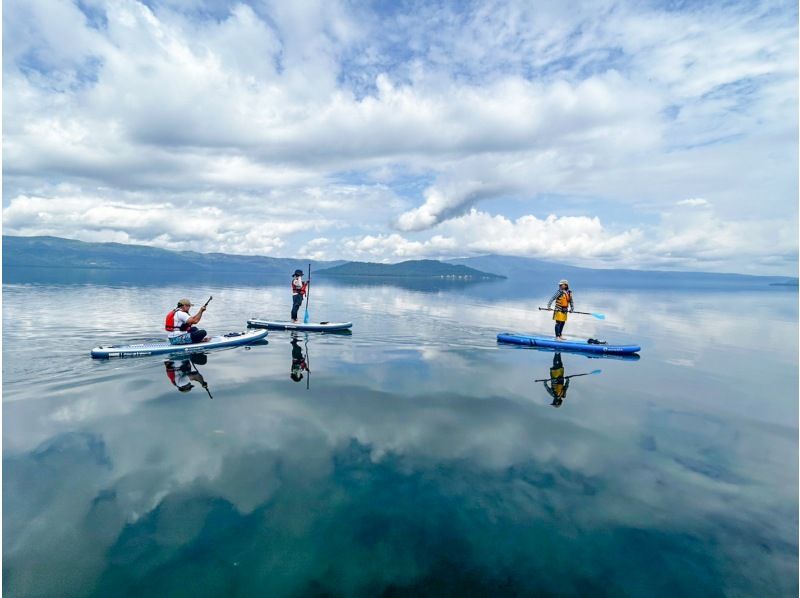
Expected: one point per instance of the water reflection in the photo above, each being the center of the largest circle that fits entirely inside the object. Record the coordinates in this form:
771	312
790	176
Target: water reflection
559	382
300	359
182	373
418	465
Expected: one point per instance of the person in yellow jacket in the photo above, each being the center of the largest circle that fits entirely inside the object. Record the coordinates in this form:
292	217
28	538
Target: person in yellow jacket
563	305
559	384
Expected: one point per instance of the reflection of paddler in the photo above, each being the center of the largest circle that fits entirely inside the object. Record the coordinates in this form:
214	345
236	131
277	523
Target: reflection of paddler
182	375
558	382
299	363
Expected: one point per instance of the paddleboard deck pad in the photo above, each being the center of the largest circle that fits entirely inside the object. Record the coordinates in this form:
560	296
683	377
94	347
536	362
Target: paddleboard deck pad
310	327
566	345
231	339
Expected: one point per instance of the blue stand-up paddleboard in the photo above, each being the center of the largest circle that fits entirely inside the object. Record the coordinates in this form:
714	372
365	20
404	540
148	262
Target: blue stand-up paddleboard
566	345
309	327
232	339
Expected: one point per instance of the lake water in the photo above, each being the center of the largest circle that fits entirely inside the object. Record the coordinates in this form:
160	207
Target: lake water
415	457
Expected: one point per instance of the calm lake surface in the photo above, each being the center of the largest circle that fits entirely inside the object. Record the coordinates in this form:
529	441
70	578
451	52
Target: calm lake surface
416	457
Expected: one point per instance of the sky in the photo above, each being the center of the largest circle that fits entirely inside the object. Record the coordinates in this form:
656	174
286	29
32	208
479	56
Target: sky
652	135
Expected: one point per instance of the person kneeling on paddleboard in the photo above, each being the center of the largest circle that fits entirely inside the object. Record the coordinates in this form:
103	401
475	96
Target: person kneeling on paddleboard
299	289
563	305
181	326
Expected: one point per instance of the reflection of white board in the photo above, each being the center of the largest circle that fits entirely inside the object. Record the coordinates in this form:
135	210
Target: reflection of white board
159	348
310	327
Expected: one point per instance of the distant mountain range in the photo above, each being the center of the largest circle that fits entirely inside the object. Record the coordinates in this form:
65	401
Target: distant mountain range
529	269
412	268
54	252
29	259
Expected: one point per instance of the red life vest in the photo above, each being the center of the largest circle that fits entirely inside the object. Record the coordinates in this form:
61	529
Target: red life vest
301	290
169	323
170	373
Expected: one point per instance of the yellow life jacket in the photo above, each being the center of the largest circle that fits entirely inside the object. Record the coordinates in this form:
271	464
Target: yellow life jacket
563	300
557	381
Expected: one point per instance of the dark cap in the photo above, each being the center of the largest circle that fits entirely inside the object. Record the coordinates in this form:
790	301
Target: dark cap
298	272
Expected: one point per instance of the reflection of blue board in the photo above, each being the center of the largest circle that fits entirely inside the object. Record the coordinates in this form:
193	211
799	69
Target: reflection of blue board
567	345
160	348
310	327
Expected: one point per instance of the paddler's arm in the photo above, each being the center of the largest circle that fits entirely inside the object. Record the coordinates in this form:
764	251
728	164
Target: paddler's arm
196	317
553	298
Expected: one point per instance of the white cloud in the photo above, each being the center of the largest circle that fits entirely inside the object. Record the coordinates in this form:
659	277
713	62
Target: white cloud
448	107
697	202
701	241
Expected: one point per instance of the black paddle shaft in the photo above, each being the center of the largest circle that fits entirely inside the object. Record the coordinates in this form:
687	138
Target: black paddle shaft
565	377
205	384
586	313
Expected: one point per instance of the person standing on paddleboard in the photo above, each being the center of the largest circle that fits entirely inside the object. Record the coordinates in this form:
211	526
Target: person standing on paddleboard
181	326
299	289
563	304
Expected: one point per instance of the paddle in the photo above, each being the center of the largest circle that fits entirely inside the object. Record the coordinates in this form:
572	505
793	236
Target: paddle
204	384
308	294
572	376
586	313
308	361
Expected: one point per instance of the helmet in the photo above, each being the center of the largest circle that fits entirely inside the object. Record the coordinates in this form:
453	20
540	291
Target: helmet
298	272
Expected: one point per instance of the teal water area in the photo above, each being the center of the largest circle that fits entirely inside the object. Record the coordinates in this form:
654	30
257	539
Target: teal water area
415	456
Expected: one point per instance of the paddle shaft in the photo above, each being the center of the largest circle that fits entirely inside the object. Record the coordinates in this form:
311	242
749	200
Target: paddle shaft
572	376
571	312
308	361
205	384
586	313
308	295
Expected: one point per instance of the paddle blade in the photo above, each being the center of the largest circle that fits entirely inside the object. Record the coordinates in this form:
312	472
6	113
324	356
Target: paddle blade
305	317
600	316
596	372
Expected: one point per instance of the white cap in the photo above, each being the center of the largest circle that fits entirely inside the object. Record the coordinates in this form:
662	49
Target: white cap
563	281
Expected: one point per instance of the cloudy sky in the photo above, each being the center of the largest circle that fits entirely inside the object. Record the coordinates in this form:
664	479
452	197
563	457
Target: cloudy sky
613	134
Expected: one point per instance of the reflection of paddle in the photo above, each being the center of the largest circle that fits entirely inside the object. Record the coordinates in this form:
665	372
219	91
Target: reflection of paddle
308	294
308	363
204	384
572	376
586	313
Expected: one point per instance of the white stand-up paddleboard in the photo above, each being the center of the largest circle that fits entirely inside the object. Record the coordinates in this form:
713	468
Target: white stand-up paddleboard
310	327
231	339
